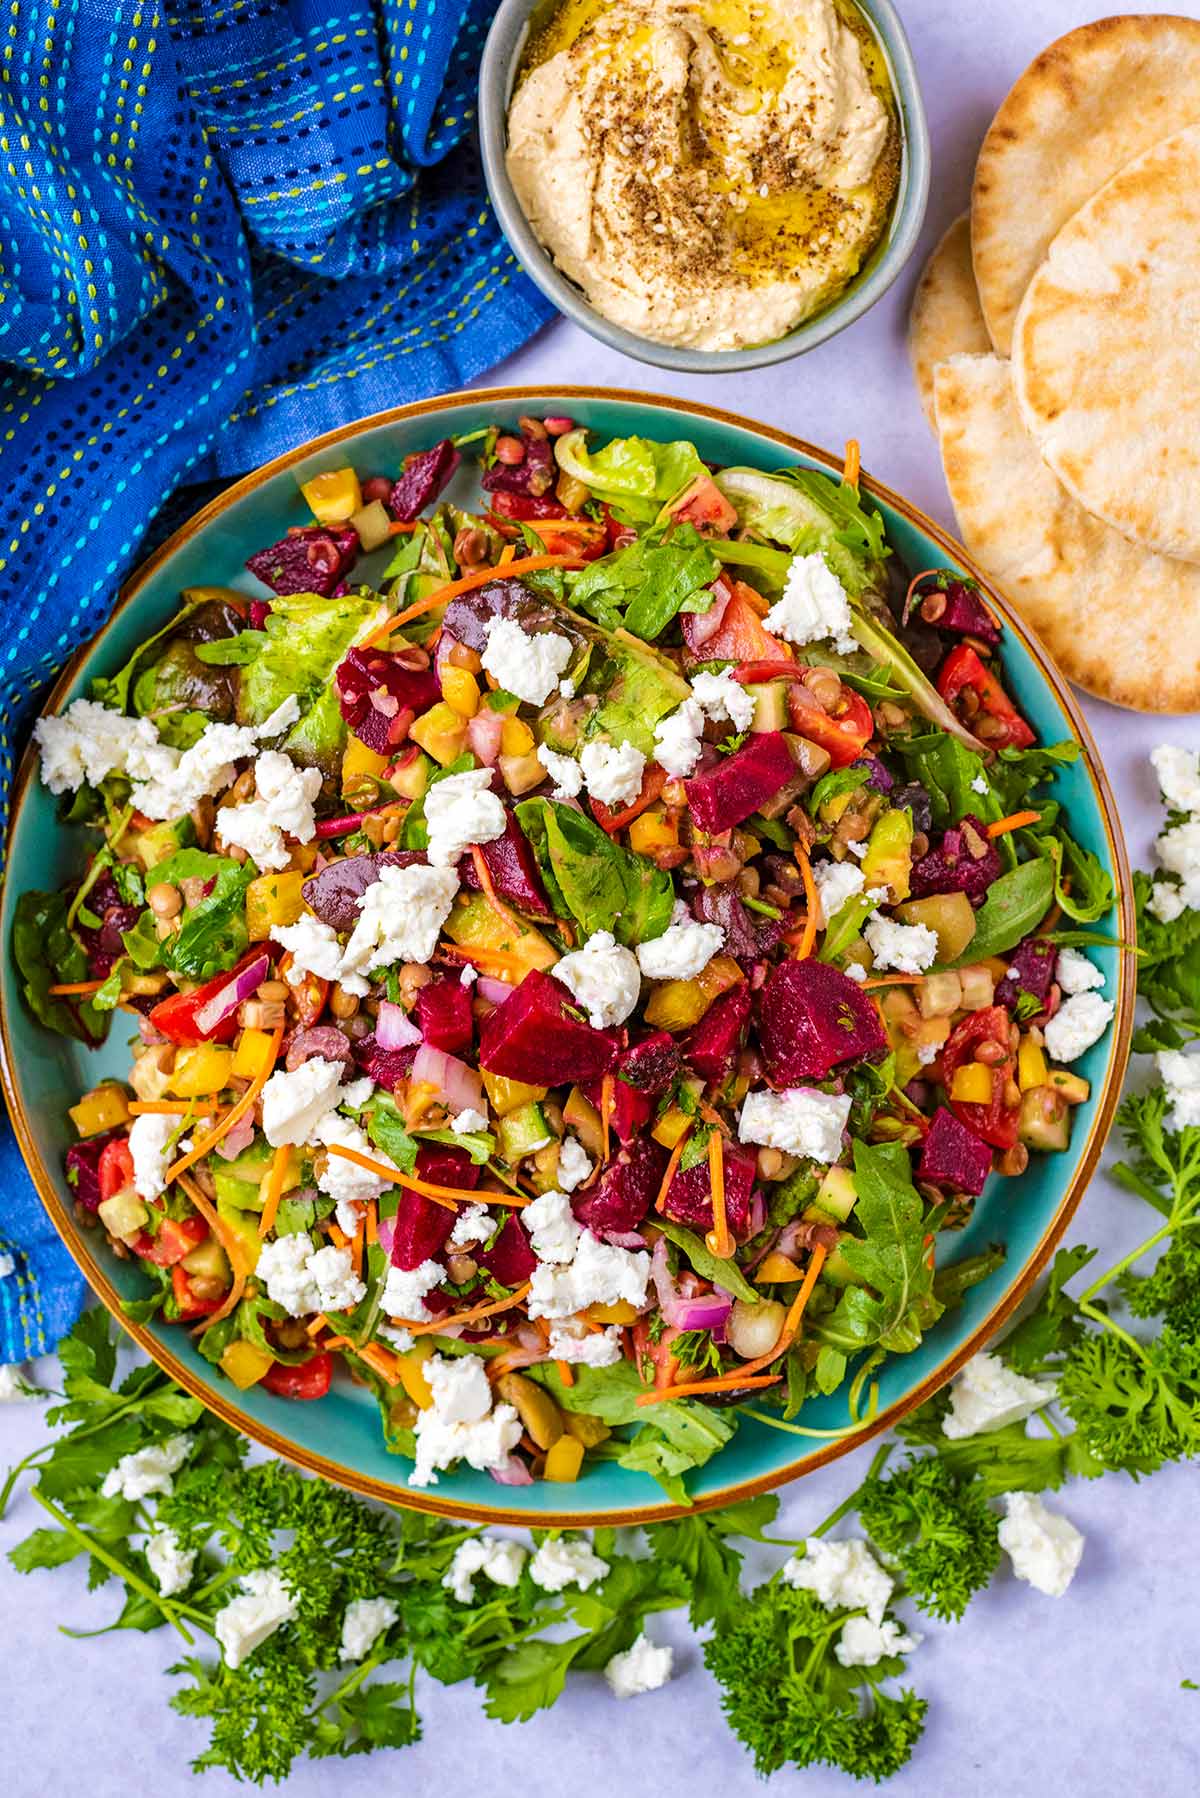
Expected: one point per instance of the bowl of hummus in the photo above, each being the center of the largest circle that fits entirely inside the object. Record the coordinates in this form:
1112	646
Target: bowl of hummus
705	184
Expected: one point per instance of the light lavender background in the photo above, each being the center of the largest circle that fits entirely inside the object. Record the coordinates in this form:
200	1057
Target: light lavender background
1027	1695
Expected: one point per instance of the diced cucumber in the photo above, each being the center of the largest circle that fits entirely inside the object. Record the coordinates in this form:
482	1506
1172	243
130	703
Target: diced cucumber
523	1132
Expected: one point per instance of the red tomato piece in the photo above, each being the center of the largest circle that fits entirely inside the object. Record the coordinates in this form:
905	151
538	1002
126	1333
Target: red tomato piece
997	1121
176	1238
176	1016
843	735
115	1171
310	1379
188	1305
964	669
653	781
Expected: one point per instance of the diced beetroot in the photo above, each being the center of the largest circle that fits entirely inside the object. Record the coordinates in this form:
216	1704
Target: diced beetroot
513	868
83	1168
387	1067
537	1036
444	1015
625	1191
689	1196
444	1165
967	616
260	611
510	1259
811	1017
651	1065
953	1156
739	784
528	506
951	867
423	479
422	1228
379	697
631	1110
312	560
534	474
1031	969
711	1045
335	892
103	942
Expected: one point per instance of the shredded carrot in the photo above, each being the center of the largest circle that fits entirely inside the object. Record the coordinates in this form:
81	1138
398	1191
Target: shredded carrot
672	1164
320	1322
808	936
497	958
450	1196
893	980
231	1243
372	1225
791	1322
397	529
565	1372
506	555
274	1192
246	1103
76	986
497	904
465	1317
1015	821
384	1363
480	578
852	465
713	1117
718	1239
357	1244
144	1107
730	1382
607	1100
338	1237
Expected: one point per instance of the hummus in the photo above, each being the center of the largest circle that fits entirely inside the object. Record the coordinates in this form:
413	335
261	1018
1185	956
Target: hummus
710	172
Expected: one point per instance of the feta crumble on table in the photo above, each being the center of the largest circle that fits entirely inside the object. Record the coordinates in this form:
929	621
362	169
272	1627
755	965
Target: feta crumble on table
364	1622
461	811
400	917
600	1274
613	771
1079	1022
1178	772
527	663
169	1562
561	1562
282	808
574	1163
986	1395
1075	973
1044	1548
814	606
461	1424
294	1103
147	1470
563	770
835	883
841	1575
315	949
149	1135
677	739
495	1557
1180	1074
603	978
1165	901
1178	851
405	1289
684	949
721	696
246	1621
553	1232
801	1121
862	1642
643	1667
585	1347
909	948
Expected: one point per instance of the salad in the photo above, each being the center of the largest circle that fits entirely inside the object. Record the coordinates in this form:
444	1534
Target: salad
580	978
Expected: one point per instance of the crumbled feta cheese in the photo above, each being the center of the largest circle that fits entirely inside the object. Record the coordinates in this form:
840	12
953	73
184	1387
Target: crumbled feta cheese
677	739
1165	901
835	883
286	713
1178	852
986	1395
495	1557
13	1386
858	850
603	978
1180	1074
469	975
567	688
613	771
88	742
909	948
643	1667
355	1096
854	970
801	1121
473	1225
980	785
400	917
600	1274
1044	1548
462	810
683	950
400	1340
1079	1022
147	1470
841	1575
1178	772
303	1279
461	1424
344	1180
364	1622
463	1122
814	606
587	1348
404	1292
721	696
315	949
563	770
170	1563
527	664
862	1642
338	1287
574	1163
283	808
561	1562
1075	973
553	1233
293	1104
168	783
245	1622
927	1053
148	1139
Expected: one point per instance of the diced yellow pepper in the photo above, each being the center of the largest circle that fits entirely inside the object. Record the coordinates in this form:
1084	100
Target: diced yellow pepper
201	1071
460	690
972	1084
1031	1065
564	1458
361	767
253	1054
619	1312
506	1095
273	899
585	1428
104	1108
521	773
245	1363
776	1270
653	830
441	733
334	497
670	1127
411	1368
516	738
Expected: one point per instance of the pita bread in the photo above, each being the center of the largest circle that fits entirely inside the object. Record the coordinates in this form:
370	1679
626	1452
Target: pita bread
945	318
1085	107
1106	351
1120	621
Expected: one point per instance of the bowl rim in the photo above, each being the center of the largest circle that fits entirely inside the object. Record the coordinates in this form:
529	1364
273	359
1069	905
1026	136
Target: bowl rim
366	1485
496	69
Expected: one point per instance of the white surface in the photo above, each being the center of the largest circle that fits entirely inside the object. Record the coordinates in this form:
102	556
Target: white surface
1028	1694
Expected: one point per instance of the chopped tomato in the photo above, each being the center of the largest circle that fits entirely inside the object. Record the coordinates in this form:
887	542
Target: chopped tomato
741	636
653	781
620	536
186	1301
176	1238
844	734
115	1171
964	670
310	995
658	1354
583	537
997	1121
310	1379
704	505
176	1016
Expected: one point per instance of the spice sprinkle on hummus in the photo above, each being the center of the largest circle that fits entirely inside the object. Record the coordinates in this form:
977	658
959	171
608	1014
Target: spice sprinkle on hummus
710	172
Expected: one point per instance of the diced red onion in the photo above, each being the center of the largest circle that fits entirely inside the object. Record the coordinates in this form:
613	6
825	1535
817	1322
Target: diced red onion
494	991
625	1239
341	827
458	1086
705	1313
483	734
238	1138
758	1213
512	1472
703	625
386	1233
235	992
150	1034
394	1029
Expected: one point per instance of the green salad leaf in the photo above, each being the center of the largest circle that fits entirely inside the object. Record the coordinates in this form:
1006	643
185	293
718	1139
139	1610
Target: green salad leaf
894	1302
212	935
635	475
592	879
807	511
645	585
1014	906
47	953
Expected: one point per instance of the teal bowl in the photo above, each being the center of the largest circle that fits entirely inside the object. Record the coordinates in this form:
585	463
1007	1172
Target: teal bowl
340	1437
502	53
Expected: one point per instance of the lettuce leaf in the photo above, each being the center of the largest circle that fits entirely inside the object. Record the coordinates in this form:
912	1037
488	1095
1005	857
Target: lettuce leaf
592	879
634	475
805	512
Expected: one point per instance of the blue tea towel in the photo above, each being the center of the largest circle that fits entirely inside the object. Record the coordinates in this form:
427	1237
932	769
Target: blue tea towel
224	228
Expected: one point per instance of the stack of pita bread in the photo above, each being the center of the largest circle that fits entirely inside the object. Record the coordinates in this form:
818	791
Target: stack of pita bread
1056	341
